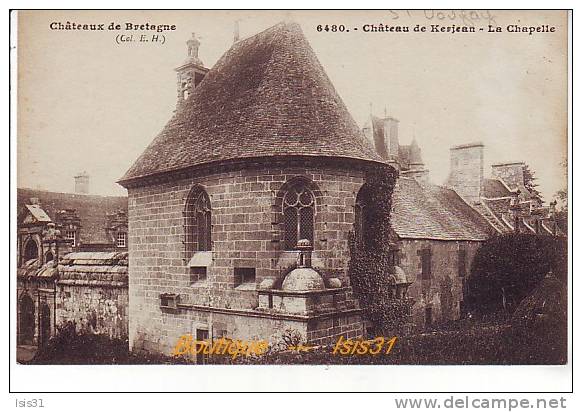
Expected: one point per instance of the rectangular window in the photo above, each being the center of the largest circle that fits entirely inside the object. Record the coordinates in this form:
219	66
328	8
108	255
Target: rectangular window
72	236
462	260
121	239
197	274
244	276
426	263
169	301
202	335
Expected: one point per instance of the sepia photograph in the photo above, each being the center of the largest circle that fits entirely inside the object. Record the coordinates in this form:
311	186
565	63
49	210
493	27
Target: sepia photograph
290	187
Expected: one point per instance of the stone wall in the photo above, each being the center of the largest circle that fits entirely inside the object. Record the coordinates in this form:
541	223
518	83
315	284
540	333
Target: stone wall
246	232
442	292
94	309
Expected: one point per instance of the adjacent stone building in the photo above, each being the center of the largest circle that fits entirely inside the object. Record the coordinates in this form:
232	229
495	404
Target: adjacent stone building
72	262
260	157
438	229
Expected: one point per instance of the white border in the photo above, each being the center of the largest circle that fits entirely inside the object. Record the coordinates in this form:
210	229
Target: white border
276	378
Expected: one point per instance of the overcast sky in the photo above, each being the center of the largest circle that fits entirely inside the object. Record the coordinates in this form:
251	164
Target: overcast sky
87	103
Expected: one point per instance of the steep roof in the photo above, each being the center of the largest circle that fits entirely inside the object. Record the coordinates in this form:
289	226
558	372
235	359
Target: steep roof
38	213
266	96
426	211
91	209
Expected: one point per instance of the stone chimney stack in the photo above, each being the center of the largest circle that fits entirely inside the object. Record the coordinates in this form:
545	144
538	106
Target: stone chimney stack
466	171
391	135
510	172
382	133
82	183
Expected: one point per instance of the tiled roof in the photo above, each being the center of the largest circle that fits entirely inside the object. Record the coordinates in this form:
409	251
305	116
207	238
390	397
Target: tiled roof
426	211
91	209
494	188
266	96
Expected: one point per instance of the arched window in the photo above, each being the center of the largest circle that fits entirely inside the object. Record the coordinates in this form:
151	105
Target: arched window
361	215
30	250
298	215
198	221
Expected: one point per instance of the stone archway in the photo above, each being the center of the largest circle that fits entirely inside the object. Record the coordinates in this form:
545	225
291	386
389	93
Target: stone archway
26	326
45	324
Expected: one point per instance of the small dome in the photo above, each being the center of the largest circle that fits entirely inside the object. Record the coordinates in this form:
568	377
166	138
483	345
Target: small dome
302	279
398	276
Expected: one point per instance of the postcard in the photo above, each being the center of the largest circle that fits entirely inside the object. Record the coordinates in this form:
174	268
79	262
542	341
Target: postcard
243	188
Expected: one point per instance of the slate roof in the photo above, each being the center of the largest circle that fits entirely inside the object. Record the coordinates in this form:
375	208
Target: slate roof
266	96
426	211
91	209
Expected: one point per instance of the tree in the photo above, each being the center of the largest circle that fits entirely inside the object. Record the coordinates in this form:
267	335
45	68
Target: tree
529	181
507	268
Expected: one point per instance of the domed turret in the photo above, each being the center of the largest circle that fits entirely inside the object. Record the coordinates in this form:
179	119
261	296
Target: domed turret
303	277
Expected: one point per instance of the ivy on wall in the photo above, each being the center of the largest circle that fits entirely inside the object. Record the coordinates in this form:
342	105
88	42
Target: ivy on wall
371	257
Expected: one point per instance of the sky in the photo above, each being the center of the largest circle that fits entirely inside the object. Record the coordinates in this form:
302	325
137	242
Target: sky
87	103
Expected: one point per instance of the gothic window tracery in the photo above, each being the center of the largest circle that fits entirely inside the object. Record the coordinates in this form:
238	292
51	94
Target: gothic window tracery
298	215
198	222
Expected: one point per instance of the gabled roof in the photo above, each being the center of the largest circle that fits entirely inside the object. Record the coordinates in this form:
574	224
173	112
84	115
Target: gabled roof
426	211
91	209
266	96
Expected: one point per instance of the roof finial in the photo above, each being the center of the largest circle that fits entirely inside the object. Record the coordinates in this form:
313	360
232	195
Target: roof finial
193	46
371	112
236	31
385	111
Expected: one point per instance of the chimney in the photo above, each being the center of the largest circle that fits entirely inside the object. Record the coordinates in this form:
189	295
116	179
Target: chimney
391	135
382	133
82	183
466	171
511	173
